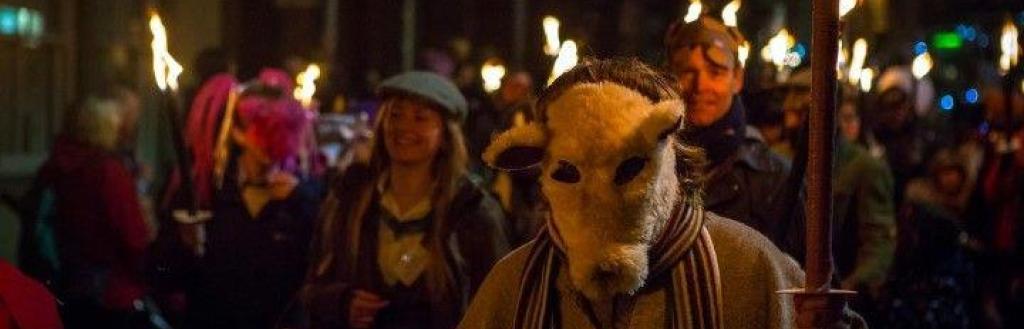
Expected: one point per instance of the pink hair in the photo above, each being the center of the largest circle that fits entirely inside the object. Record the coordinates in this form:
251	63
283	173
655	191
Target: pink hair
204	121
277	126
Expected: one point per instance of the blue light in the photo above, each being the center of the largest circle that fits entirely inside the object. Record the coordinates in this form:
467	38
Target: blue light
8	20
971	96
946	103
801	50
920	48
967	32
983	40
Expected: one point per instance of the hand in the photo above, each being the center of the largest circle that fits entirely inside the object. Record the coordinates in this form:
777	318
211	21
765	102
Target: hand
281	184
193	236
363	309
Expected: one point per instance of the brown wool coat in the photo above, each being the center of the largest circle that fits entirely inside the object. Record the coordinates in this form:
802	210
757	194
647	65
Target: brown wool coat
752	270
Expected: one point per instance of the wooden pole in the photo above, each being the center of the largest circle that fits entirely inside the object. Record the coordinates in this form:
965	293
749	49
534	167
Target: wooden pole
824	45
817	304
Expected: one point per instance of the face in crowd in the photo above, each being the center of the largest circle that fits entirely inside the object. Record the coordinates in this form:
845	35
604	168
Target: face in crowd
708	80
413	130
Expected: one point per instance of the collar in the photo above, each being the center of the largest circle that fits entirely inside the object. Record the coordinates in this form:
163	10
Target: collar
388	203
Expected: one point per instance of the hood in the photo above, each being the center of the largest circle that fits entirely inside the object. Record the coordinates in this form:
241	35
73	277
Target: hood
69	155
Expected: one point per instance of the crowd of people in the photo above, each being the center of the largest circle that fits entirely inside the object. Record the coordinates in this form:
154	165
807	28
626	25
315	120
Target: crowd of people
928	215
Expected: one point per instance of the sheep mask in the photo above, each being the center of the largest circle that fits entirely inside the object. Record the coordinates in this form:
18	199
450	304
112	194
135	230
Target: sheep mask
609	174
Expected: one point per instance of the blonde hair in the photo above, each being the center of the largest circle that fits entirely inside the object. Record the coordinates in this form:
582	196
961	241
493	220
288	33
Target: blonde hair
96	122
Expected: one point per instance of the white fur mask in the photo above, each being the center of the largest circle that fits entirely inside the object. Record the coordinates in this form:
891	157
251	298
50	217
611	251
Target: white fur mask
608	170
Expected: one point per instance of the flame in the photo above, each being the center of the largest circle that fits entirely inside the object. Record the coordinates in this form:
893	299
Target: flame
845	6
306	84
860	53
842	58
551	42
693	12
165	69
743	52
1010	54
867	77
565	61
492	72
777	49
729	12
922	65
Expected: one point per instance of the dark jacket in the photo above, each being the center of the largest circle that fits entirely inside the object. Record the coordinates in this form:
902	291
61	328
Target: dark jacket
476	238
749	183
253	266
865	224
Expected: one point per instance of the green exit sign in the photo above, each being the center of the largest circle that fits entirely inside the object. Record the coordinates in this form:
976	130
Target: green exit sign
947	40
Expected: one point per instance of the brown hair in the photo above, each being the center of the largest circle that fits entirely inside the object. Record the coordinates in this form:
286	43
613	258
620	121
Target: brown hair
656	86
450	165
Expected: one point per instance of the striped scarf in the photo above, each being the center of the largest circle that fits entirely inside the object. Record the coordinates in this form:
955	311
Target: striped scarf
684	248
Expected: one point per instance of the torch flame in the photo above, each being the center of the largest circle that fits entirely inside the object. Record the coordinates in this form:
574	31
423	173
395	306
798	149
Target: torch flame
777	48
845	6
729	13
492	72
922	65
565	61
1010	49
165	69
860	53
693	12
306	84
551	44
743	52
867	77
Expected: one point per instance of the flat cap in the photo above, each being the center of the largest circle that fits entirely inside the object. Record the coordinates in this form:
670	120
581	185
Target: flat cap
430	87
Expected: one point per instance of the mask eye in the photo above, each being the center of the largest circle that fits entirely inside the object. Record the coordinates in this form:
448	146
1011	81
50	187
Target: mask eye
629	169
566	173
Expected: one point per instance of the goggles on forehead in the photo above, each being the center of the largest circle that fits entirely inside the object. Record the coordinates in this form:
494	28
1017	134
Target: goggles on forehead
719	42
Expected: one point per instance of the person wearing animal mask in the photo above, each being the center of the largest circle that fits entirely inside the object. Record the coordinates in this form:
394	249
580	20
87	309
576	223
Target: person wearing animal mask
746	181
628	242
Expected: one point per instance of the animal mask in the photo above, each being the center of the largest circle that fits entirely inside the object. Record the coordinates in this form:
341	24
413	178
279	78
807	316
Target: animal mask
608	171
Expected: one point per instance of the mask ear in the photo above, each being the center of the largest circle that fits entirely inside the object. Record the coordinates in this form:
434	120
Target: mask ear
517	149
665	119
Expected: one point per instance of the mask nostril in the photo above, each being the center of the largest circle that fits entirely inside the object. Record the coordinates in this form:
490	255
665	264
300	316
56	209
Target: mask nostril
566	173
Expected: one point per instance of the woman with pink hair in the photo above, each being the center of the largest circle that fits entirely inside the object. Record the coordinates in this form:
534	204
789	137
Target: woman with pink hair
247	143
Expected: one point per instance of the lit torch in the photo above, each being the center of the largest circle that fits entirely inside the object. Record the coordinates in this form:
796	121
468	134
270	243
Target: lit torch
729	13
551	41
566	60
743	52
867	78
166	71
306	85
492	71
860	53
1010	49
777	49
922	65
842	58
693	11
165	68
845	6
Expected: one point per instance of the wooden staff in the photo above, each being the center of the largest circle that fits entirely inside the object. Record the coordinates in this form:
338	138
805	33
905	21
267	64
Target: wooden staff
817	305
